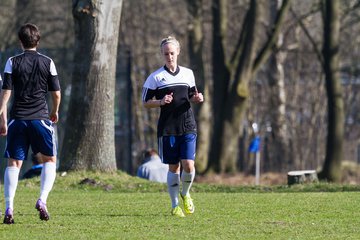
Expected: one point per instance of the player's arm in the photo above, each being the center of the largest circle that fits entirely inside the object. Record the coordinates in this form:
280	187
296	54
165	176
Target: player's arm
154	103
149	101
56	98
54	89
4	99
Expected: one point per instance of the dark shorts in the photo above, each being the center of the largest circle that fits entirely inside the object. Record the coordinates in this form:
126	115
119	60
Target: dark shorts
39	134
172	149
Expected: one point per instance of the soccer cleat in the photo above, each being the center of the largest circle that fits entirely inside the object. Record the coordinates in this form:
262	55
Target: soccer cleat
177	211
9	216
189	207
43	212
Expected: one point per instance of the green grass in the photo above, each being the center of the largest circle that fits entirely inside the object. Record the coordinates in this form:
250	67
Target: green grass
118	206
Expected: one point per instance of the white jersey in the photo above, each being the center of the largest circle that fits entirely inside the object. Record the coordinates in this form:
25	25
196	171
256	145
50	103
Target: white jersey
177	117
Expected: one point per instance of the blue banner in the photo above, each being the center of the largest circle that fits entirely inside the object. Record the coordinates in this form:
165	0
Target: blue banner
255	145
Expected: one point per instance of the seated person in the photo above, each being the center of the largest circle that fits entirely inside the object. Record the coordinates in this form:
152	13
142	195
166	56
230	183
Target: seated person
152	168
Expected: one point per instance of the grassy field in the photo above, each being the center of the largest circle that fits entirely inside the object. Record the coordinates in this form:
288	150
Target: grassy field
117	206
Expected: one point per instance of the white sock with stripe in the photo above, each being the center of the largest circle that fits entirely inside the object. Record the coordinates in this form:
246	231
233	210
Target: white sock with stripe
187	179
173	182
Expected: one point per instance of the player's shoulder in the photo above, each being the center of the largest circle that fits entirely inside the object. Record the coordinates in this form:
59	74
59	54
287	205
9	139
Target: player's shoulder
158	72
156	76
45	57
185	70
19	55
186	73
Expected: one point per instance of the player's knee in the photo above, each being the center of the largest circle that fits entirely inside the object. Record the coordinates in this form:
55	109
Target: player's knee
44	158
188	165
174	168
14	163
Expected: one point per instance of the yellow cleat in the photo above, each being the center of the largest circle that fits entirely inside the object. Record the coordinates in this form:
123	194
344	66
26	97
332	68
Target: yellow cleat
177	211
188	204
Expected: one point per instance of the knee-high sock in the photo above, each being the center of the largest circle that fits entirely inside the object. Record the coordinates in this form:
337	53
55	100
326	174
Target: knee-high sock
11	179
173	182
48	175
187	179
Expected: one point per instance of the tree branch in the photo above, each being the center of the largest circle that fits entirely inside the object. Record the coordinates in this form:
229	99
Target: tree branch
265	51
311	39
240	44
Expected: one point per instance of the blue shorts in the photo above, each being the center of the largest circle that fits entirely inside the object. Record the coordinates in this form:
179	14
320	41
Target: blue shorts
172	149
39	134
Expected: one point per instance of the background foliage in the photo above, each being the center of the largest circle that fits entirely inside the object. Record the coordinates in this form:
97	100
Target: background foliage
143	25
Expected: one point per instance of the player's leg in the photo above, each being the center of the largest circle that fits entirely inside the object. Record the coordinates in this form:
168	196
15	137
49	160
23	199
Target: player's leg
168	154
44	146
16	151
48	175
11	179
187	175
47	179
173	181
188	148
187	179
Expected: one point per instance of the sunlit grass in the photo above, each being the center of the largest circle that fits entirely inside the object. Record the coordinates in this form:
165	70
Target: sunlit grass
117	206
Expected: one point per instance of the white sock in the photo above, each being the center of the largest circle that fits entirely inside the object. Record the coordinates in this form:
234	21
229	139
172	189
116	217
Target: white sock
11	179
48	174
187	179
173	181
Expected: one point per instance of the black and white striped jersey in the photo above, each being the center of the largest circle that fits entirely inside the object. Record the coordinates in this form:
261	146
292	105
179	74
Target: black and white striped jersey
176	118
30	75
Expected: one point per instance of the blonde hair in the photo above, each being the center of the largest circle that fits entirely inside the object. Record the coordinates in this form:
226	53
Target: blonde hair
169	39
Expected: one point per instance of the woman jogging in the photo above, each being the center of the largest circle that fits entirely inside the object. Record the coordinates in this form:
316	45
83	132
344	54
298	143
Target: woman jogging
172	88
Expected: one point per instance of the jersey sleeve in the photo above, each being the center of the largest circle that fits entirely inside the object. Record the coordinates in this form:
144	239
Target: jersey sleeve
53	81
7	84
192	86
149	89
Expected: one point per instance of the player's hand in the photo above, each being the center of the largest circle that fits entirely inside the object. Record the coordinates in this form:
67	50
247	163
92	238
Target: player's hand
3	129
54	117
197	97
167	99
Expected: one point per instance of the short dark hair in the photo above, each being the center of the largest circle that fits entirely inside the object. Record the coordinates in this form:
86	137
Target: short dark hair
150	152
29	35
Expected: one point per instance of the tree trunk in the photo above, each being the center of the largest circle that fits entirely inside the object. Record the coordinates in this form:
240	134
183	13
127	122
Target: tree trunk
197	64
221	76
332	166
230	103
89	138
278	146
231	80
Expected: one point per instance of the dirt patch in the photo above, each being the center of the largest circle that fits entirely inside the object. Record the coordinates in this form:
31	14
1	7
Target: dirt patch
92	182
240	179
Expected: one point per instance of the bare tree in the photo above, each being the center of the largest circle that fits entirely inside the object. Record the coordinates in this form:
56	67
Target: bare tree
143	30
231	78
278	146
202	111
330	52
89	137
